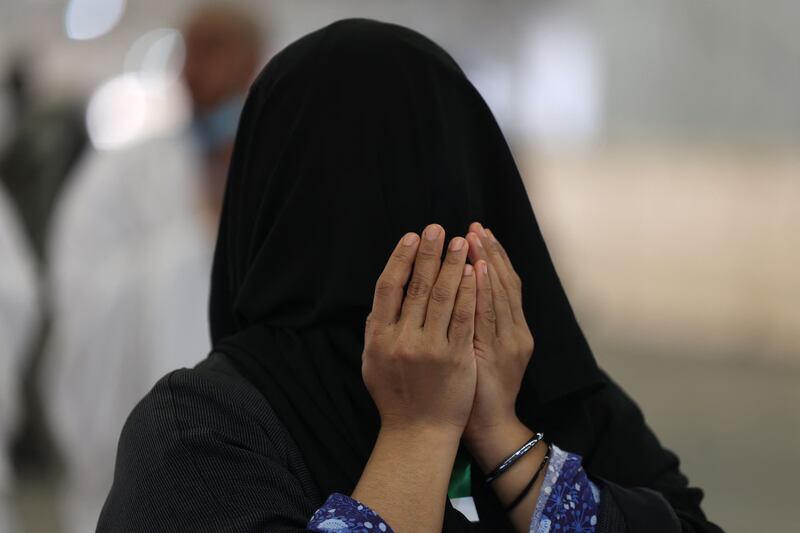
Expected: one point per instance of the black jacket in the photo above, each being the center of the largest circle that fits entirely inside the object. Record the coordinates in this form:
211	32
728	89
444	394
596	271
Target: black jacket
204	451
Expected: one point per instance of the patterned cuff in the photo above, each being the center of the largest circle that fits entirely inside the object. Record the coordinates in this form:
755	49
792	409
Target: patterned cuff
341	513
569	500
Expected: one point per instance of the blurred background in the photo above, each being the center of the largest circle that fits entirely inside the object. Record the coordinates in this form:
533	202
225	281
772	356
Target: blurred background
659	144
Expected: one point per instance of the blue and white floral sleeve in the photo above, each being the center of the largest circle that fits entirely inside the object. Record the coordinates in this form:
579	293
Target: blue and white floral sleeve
568	501
341	513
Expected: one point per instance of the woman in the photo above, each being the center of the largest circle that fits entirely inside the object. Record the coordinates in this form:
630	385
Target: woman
351	138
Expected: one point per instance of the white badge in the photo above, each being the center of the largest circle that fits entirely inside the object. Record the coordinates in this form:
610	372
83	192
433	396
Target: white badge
466	506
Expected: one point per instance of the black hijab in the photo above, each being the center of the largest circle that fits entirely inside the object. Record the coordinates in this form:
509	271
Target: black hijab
350	137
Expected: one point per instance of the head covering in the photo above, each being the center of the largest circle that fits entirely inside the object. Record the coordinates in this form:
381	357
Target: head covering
350	137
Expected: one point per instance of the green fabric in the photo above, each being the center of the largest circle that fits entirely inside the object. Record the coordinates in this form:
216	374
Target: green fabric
461	477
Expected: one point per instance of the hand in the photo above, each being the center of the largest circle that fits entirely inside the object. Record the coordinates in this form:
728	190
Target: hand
503	342
419	361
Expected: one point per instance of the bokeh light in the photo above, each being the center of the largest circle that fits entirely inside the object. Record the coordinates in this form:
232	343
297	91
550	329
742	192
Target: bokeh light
89	19
116	112
128	109
158	54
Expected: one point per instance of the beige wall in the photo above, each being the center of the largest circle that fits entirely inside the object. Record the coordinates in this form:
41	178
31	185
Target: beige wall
684	247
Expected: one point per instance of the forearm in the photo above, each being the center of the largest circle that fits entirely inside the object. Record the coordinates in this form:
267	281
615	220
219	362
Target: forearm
406	477
492	448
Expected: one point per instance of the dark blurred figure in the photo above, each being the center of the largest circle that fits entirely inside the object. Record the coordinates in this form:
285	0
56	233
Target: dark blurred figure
18	321
131	254
44	145
39	149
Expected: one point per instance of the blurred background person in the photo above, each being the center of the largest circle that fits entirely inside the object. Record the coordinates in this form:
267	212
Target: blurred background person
45	141
19	310
40	142
130	260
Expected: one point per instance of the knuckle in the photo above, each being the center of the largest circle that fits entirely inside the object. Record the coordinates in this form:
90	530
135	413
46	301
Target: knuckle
427	253
431	343
467	289
369	344
528	343
441	294
418	287
434	348
516	345
403	351
401	255
452	258
501	294
374	346
527	350
385	287
369	324
488	316
372	349
485	292
461	331
373	330
425	352
462	315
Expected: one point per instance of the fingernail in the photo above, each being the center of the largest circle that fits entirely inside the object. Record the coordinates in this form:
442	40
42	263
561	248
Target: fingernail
409	239
467	270
456	244
491	235
478	241
432	232
484	267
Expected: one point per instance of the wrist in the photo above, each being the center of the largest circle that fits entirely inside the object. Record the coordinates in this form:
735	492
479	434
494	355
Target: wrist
494	444
409	468
440	436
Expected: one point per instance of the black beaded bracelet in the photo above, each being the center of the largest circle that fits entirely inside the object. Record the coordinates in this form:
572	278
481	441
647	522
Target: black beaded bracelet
514	457
530	484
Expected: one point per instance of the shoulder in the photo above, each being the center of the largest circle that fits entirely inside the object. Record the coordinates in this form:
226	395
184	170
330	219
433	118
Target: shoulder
203	449
196	405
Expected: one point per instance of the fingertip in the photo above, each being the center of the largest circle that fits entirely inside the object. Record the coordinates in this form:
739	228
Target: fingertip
474	241
433	232
480	230
468	270
457	244
410	238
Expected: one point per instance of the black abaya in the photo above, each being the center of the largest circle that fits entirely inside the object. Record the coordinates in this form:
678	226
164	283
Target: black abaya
350	137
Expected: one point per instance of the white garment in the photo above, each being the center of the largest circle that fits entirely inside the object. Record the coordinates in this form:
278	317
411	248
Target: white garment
19	314
130	264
